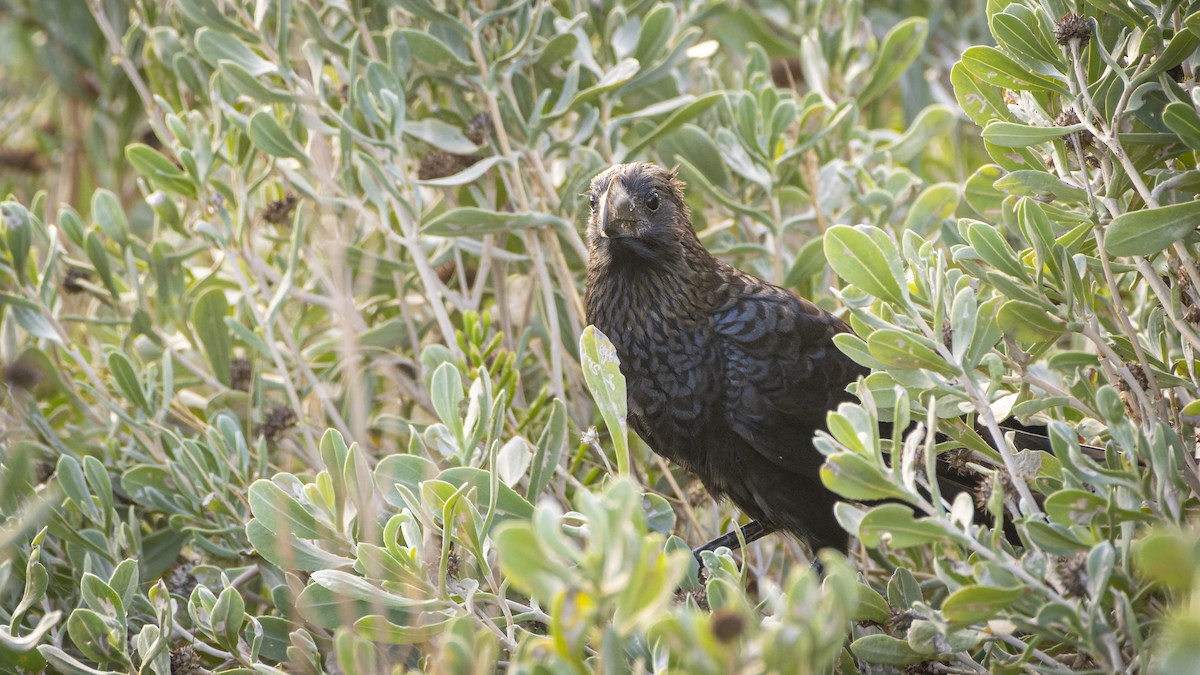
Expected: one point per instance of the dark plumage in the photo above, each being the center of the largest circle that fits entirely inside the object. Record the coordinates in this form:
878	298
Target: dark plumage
727	375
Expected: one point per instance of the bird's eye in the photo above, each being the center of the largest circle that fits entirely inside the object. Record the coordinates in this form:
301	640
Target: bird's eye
652	201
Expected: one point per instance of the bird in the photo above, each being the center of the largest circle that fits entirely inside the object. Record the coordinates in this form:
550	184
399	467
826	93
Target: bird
727	375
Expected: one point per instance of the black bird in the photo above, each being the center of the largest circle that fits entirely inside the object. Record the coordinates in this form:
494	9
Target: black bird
727	375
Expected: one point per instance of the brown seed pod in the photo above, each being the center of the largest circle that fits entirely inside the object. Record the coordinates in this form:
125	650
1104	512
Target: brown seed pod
70	282
241	374
439	164
1068	118
787	73
1073	27
279	212
727	624
279	419
479	128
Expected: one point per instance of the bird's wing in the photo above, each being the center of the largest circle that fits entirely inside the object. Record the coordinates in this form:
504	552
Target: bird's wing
783	373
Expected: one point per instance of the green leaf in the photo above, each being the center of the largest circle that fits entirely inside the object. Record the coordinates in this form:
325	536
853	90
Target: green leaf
900	349
159	170
215	47
1042	185
441	135
446	391
378	629
993	248
855	476
1012	135
406	470
19	235
856	257
550	447
227	617
885	649
279	512
934	205
90	634
355	587
615	77
602	373
469	221
1022	39
508	502
268	135
930	125
65	664
1149	231
127	380
1074	507
981	194
896	525
108	214
871	606
1185	121
1167	556
426	48
1052	538
900	47
251	86
998	69
35	323
289	553
70	478
208	321
982	103
1028	323
527	564
99	259
977	604
675	121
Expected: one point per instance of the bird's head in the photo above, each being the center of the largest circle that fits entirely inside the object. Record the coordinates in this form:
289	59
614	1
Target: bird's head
637	209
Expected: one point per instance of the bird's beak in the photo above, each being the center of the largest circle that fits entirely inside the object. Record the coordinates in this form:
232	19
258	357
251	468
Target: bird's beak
617	218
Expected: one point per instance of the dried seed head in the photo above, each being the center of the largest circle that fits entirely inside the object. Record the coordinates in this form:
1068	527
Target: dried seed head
479	129
439	164
279	419
1072	574
279	212
1139	375
787	73
180	580
241	374
23	374
70	282
1068	118
956	460
1176	72
24	161
1073	27
727	624
42	471
925	668
185	661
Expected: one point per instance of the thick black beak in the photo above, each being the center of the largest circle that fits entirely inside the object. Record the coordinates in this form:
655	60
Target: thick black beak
617	217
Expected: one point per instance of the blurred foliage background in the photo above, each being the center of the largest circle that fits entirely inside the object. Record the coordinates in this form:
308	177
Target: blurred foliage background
296	376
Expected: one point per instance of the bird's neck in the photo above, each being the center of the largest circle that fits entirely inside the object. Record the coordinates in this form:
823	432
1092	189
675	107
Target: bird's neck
625	290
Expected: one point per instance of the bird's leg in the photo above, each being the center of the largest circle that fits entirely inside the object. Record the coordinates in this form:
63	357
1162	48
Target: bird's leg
752	531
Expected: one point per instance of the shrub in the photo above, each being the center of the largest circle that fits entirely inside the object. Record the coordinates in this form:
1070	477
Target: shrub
303	384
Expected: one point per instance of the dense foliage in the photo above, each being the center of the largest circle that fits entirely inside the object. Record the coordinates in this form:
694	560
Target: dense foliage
296	377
